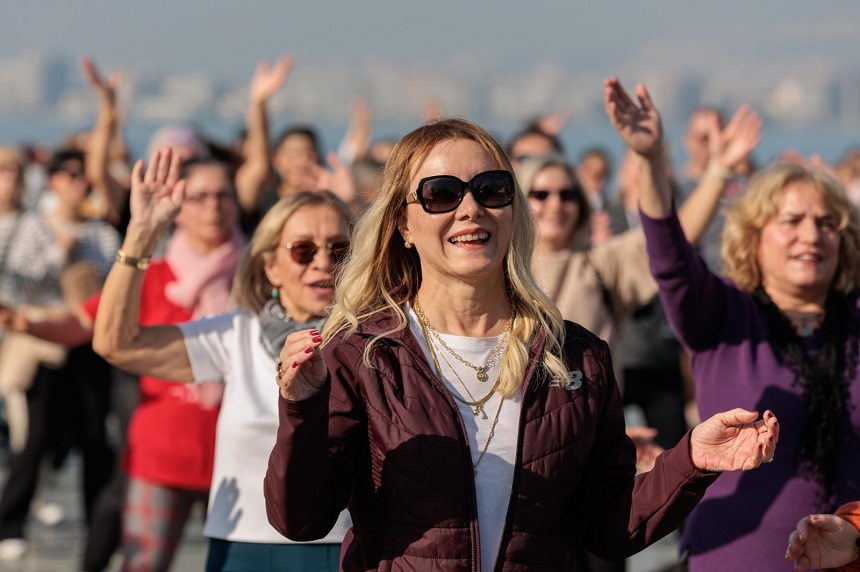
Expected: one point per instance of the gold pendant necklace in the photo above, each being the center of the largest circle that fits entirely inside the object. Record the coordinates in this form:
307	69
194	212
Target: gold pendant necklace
479	409
480	371
477	404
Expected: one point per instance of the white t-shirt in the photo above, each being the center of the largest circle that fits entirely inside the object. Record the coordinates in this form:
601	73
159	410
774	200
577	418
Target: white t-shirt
227	347
496	470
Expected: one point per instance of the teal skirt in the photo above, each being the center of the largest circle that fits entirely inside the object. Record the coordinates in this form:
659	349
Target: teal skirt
229	556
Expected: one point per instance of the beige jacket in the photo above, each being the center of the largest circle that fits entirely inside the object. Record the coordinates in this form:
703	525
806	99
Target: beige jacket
572	279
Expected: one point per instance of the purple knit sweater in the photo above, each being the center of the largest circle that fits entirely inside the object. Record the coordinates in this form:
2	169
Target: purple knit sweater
744	520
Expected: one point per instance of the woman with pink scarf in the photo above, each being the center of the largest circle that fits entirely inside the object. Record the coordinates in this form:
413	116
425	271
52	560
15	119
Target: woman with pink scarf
170	447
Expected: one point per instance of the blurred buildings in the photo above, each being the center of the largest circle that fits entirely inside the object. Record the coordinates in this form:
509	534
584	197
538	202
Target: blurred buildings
51	86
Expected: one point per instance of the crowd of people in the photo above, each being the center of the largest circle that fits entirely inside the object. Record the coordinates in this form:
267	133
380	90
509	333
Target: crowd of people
439	352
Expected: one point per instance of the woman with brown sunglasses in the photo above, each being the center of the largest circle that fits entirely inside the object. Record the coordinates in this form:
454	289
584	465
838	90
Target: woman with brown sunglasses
284	283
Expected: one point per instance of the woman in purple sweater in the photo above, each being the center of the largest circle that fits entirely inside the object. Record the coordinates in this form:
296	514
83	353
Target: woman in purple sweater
782	329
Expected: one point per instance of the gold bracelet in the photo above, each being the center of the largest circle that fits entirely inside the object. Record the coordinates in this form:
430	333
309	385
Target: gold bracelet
139	263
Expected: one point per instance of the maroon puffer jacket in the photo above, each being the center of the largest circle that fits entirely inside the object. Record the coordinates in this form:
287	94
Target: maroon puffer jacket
389	442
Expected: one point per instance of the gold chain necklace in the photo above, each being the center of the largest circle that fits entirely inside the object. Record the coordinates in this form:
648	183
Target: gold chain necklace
480	371
478	404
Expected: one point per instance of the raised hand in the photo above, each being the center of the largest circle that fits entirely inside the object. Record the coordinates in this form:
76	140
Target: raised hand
734	441
731	146
105	89
301	371
432	109
156	195
555	122
638	124
338	180
822	541
268	79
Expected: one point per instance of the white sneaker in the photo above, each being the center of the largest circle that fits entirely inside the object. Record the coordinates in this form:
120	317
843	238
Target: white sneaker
12	548
49	514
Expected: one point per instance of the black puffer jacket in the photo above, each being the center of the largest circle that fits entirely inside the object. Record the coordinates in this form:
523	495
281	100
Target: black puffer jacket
389	442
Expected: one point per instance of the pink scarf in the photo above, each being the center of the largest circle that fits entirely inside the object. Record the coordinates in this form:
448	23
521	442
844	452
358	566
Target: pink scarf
203	282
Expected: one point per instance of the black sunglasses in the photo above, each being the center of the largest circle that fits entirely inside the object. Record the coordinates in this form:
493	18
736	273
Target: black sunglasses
444	193
304	251
566	195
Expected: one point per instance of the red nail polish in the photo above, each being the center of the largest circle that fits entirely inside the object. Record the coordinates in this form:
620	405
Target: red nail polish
295	364
309	350
315	332
316	340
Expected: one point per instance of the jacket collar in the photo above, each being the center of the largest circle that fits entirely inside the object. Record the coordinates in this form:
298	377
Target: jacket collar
387	320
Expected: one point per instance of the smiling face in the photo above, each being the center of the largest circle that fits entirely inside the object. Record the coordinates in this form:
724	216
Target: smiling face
468	244
306	290
556	218
798	250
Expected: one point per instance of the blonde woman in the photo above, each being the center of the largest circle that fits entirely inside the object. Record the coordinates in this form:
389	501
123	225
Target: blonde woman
782	331
284	283
464	423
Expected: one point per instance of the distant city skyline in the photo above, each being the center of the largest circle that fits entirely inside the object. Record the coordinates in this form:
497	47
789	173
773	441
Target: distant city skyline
496	62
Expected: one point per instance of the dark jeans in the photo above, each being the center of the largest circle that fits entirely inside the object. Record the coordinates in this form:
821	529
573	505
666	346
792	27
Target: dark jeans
72	401
229	556
106	523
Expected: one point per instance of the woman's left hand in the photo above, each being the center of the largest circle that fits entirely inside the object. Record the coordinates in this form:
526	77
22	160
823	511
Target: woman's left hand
734	441
639	124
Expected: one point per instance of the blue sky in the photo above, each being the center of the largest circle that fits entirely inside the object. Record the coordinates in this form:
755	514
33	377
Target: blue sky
227	37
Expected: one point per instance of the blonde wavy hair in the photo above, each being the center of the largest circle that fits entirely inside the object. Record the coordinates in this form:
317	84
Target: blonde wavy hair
382	275
747	217
251	286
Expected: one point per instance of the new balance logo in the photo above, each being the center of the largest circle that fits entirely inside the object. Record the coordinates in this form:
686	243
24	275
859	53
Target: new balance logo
573	381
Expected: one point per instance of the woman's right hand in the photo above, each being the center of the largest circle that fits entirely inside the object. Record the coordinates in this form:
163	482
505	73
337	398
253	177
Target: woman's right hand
730	146
269	79
301	371
157	194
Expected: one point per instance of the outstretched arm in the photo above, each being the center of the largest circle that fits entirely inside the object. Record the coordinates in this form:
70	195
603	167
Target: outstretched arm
59	325
356	141
729	148
256	168
157	351
98	153
641	129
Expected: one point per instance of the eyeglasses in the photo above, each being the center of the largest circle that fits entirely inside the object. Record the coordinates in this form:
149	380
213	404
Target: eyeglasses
566	195
304	251
444	193
220	197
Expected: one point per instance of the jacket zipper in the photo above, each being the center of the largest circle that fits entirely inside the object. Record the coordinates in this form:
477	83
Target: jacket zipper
438	384
518	466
